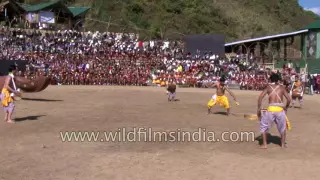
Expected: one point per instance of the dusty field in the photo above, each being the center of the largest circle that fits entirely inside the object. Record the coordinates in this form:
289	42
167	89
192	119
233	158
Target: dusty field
32	148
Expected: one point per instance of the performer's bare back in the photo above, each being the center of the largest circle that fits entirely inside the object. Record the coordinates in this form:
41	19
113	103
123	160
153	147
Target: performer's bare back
172	87
276	92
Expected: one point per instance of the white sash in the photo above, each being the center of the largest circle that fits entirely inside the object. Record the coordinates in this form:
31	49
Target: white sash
14	86
12	79
214	97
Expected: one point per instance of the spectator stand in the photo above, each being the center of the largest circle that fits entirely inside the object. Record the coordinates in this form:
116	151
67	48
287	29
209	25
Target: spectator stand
94	58
266	50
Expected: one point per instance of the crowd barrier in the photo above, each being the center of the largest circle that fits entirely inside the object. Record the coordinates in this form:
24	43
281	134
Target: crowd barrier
230	86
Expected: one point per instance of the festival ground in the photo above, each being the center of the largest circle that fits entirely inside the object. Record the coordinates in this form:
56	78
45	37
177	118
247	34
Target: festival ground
32	148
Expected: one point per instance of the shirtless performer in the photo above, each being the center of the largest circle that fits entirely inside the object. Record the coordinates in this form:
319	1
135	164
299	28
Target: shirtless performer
171	89
276	111
297	91
219	98
7	92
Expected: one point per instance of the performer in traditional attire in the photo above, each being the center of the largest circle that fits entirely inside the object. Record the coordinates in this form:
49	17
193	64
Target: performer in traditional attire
297	91
7	95
276	111
219	98
171	90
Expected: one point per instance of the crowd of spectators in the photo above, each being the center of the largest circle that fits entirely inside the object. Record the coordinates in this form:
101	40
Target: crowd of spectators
72	57
94	58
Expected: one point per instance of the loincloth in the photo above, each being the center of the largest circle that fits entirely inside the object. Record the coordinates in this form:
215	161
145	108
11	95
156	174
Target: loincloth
219	100
6	100
297	92
171	95
275	113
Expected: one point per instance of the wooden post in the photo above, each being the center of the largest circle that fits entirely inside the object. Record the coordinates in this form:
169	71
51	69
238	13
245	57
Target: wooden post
262	50
270	52
257	49
278	49
70	22
285	49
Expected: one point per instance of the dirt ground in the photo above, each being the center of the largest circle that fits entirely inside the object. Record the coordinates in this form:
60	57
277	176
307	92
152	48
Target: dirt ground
32	148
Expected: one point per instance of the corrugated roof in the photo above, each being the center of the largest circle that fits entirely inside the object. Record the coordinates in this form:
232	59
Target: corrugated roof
267	37
75	11
38	7
78	10
314	25
4	3
16	6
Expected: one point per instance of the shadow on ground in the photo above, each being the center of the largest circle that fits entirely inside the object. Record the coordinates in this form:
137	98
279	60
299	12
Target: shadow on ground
41	100
28	118
221	113
270	140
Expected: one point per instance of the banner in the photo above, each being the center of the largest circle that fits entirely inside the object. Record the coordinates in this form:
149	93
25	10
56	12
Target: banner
311	45
202	43
46	17
32	18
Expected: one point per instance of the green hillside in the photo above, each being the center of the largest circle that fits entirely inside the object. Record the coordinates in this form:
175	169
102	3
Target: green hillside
237	19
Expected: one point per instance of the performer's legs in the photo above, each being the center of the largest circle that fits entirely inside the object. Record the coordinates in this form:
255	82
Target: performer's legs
228	111
226	105
210	104
294	99
10	117
311	89
171	96
300	101
264	140
8	113
283	139
264	128
280	119
265	124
